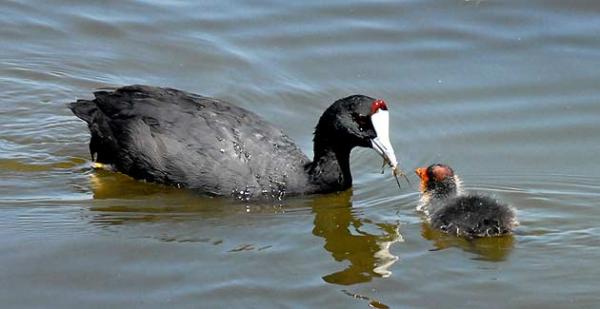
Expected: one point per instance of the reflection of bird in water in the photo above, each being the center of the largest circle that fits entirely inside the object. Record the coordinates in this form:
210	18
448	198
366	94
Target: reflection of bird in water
108	185
349	238
120	200
486	248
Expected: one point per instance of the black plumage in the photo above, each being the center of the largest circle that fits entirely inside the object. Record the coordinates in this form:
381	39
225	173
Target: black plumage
473	216
468	215
178	138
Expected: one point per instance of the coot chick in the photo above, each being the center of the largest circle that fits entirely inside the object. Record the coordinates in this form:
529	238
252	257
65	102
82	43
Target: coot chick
178	138
468	215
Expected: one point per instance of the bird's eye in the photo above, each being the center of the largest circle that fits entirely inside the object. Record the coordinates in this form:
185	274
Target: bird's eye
362	121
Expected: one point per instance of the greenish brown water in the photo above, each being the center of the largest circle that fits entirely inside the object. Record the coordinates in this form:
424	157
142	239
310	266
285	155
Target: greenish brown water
507	92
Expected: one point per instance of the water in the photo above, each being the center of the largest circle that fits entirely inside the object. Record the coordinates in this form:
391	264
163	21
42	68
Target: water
504	91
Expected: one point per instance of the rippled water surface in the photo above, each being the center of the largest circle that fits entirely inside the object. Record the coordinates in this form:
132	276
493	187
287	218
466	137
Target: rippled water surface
507	92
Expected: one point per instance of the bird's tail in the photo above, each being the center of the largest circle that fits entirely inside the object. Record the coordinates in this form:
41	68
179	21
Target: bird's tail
84	109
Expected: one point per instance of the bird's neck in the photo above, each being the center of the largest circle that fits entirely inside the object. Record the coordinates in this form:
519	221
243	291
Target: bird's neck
437	194
330	169
443	194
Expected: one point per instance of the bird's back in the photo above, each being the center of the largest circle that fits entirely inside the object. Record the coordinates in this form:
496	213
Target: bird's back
474	216
173	137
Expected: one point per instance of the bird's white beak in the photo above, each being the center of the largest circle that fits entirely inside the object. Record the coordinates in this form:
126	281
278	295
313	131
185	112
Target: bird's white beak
382	144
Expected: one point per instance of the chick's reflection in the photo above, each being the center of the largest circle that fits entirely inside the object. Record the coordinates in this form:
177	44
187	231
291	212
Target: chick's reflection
493	249
361	242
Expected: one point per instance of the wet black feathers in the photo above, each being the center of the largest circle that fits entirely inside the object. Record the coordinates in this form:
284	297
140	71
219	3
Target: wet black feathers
178	138
473	216
84	109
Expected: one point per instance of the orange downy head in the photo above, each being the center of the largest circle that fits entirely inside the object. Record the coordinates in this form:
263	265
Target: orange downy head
437	173
422	173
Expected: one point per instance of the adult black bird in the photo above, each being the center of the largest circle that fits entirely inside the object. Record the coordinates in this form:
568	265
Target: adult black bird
178	138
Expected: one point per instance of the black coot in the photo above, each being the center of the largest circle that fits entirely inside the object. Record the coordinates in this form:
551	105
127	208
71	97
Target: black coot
469	215
178	138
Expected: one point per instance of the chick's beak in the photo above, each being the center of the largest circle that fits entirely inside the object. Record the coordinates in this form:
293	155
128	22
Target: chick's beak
421	172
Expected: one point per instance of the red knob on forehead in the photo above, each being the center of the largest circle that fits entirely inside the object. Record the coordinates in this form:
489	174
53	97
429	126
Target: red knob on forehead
377	105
